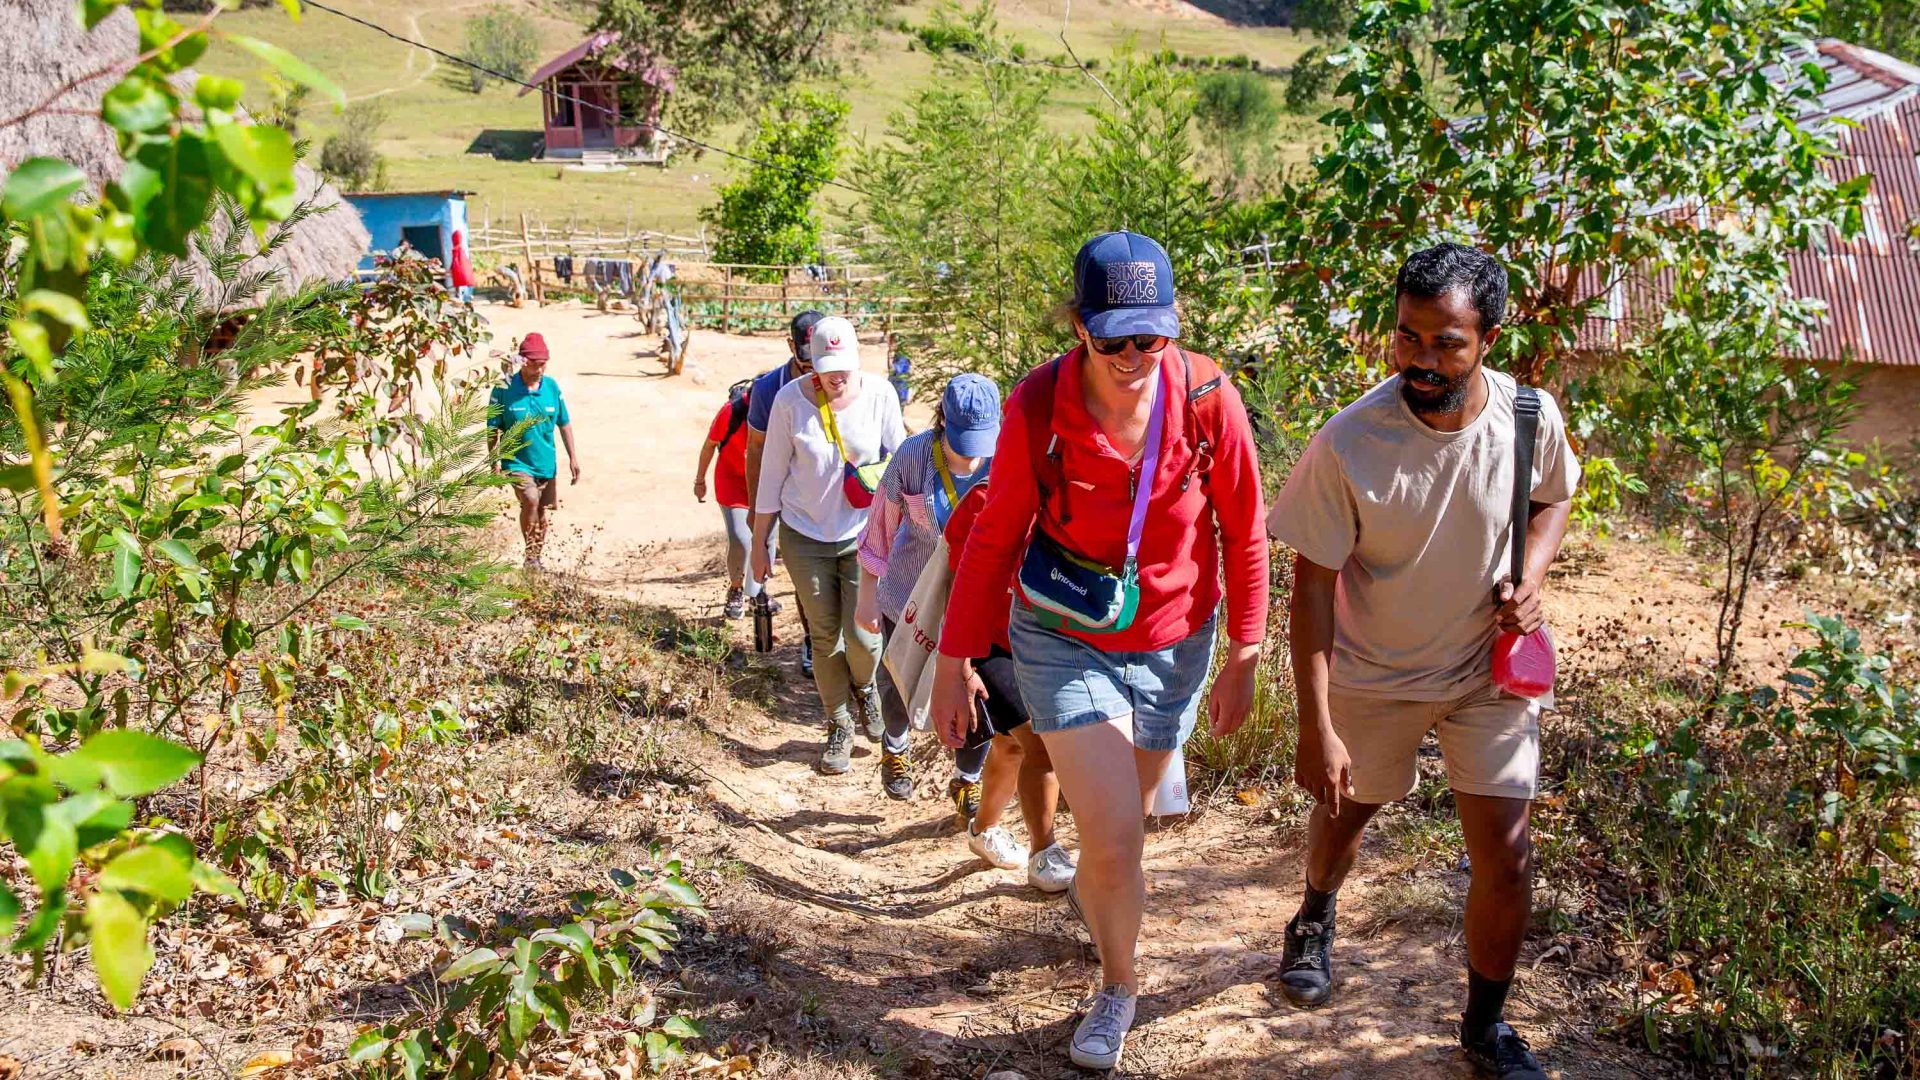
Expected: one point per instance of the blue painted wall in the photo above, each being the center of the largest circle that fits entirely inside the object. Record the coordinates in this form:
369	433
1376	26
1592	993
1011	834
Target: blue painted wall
385	215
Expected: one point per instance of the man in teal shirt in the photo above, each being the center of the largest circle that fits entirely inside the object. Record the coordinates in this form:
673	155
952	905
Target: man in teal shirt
530	403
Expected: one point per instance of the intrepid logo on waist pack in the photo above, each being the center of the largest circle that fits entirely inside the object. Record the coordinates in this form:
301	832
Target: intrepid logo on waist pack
1068	582
1132	283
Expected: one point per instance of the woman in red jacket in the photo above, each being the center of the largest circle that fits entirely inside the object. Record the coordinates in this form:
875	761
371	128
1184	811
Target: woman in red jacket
1117	465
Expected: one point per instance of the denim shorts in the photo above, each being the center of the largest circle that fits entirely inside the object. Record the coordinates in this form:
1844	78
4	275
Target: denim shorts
1068	683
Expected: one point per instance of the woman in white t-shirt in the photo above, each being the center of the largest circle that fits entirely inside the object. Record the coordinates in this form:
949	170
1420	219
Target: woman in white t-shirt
828	440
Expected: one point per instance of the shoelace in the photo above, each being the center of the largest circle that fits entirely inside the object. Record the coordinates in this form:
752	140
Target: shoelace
893	767
1103	1012
838	738
1510	1051
1313	946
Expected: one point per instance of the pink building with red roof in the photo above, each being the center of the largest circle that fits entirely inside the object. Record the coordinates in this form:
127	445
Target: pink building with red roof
581	97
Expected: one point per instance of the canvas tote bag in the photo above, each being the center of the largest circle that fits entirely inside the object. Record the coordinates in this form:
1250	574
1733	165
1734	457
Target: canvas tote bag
916	638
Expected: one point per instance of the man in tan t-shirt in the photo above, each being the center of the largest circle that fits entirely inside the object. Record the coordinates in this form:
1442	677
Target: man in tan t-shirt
1398	512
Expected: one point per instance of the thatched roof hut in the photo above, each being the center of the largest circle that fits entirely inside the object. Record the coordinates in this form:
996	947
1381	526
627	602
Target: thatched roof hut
43	48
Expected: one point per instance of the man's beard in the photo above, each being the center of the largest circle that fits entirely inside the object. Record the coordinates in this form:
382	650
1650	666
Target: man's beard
1429	393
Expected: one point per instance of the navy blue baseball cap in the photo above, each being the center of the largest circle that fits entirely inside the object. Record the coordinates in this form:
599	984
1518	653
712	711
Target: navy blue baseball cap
970	410
1125	285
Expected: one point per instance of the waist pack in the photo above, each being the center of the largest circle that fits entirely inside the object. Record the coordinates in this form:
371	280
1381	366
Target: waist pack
857	482
1068	592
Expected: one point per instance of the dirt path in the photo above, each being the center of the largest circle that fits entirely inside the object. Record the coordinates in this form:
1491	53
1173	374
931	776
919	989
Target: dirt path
893	930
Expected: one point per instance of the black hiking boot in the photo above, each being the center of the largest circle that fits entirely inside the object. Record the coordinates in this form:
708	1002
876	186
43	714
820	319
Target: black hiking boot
896	775
806	658
1501	1052
1306	966
838	757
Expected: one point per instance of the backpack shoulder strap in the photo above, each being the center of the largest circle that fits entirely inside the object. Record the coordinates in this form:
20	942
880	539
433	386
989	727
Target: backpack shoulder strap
736	419
1526	426
1204	417
1043	446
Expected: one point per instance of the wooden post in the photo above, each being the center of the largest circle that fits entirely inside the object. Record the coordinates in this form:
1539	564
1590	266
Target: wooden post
534	288
784	311
726	299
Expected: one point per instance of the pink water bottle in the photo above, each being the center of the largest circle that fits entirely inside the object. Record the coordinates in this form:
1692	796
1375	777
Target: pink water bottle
1523	665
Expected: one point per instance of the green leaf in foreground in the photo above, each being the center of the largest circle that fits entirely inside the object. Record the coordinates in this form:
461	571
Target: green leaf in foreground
292	67
120	951
154	871
39	185
135	763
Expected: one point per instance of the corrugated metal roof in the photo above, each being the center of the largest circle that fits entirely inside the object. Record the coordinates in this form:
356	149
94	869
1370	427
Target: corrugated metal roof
1871	284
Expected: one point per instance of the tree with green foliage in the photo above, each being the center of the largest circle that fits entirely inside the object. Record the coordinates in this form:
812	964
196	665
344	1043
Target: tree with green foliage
731	55
768	216
975	207
1892	26
499	39
1234	116
1309	79
957	209
351	157
1578	144
1592	152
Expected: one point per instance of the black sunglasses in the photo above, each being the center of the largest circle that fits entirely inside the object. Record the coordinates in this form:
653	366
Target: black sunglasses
1112	346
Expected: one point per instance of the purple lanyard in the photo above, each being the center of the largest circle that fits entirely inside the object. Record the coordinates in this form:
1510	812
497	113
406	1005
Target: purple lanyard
1143	488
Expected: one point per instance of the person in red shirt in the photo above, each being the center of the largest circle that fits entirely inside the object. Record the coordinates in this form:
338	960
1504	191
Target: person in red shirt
1125	491
460	270
727	437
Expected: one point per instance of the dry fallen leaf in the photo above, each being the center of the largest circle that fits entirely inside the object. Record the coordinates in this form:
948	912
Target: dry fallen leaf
11	1068
265	1062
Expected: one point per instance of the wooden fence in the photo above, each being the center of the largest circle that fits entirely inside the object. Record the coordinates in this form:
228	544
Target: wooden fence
728	297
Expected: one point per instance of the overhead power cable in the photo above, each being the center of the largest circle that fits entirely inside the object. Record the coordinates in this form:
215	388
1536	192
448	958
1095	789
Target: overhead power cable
578	102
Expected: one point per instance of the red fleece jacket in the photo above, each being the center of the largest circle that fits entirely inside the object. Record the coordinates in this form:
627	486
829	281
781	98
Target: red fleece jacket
1180	555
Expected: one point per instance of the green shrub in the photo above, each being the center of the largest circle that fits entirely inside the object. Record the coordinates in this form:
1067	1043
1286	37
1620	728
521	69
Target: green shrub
767	218
510	992
351	158
1309	80
1766	863
499	39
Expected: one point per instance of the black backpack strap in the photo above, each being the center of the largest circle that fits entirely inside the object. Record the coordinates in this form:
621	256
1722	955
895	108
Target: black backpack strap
1203	420
736	419
1526	427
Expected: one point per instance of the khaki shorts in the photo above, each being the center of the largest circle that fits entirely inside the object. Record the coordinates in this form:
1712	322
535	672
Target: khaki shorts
535	493
1489	739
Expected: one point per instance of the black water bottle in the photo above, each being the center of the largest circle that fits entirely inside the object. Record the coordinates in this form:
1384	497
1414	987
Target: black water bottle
762	623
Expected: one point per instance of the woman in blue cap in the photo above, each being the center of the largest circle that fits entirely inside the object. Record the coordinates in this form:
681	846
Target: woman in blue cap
1127	494
929	476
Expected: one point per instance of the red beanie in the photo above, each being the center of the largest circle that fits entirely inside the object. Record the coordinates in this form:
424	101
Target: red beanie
533	347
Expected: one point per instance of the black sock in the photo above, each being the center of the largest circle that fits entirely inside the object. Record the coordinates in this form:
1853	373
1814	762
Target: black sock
1486	1004
1318	906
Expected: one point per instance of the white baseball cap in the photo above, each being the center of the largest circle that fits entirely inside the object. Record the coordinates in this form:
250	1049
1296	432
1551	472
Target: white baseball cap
834	346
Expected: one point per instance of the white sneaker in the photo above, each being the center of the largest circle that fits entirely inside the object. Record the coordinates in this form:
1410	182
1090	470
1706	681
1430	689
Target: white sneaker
1102	1033
1051	870
997	846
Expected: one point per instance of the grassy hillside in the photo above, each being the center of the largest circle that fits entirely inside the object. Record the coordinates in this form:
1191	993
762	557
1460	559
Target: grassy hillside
437	131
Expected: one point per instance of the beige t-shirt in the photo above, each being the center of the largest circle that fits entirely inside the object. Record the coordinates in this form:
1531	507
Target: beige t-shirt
1415	520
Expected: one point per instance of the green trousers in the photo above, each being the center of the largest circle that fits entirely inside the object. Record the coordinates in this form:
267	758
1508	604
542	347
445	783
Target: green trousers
826	580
